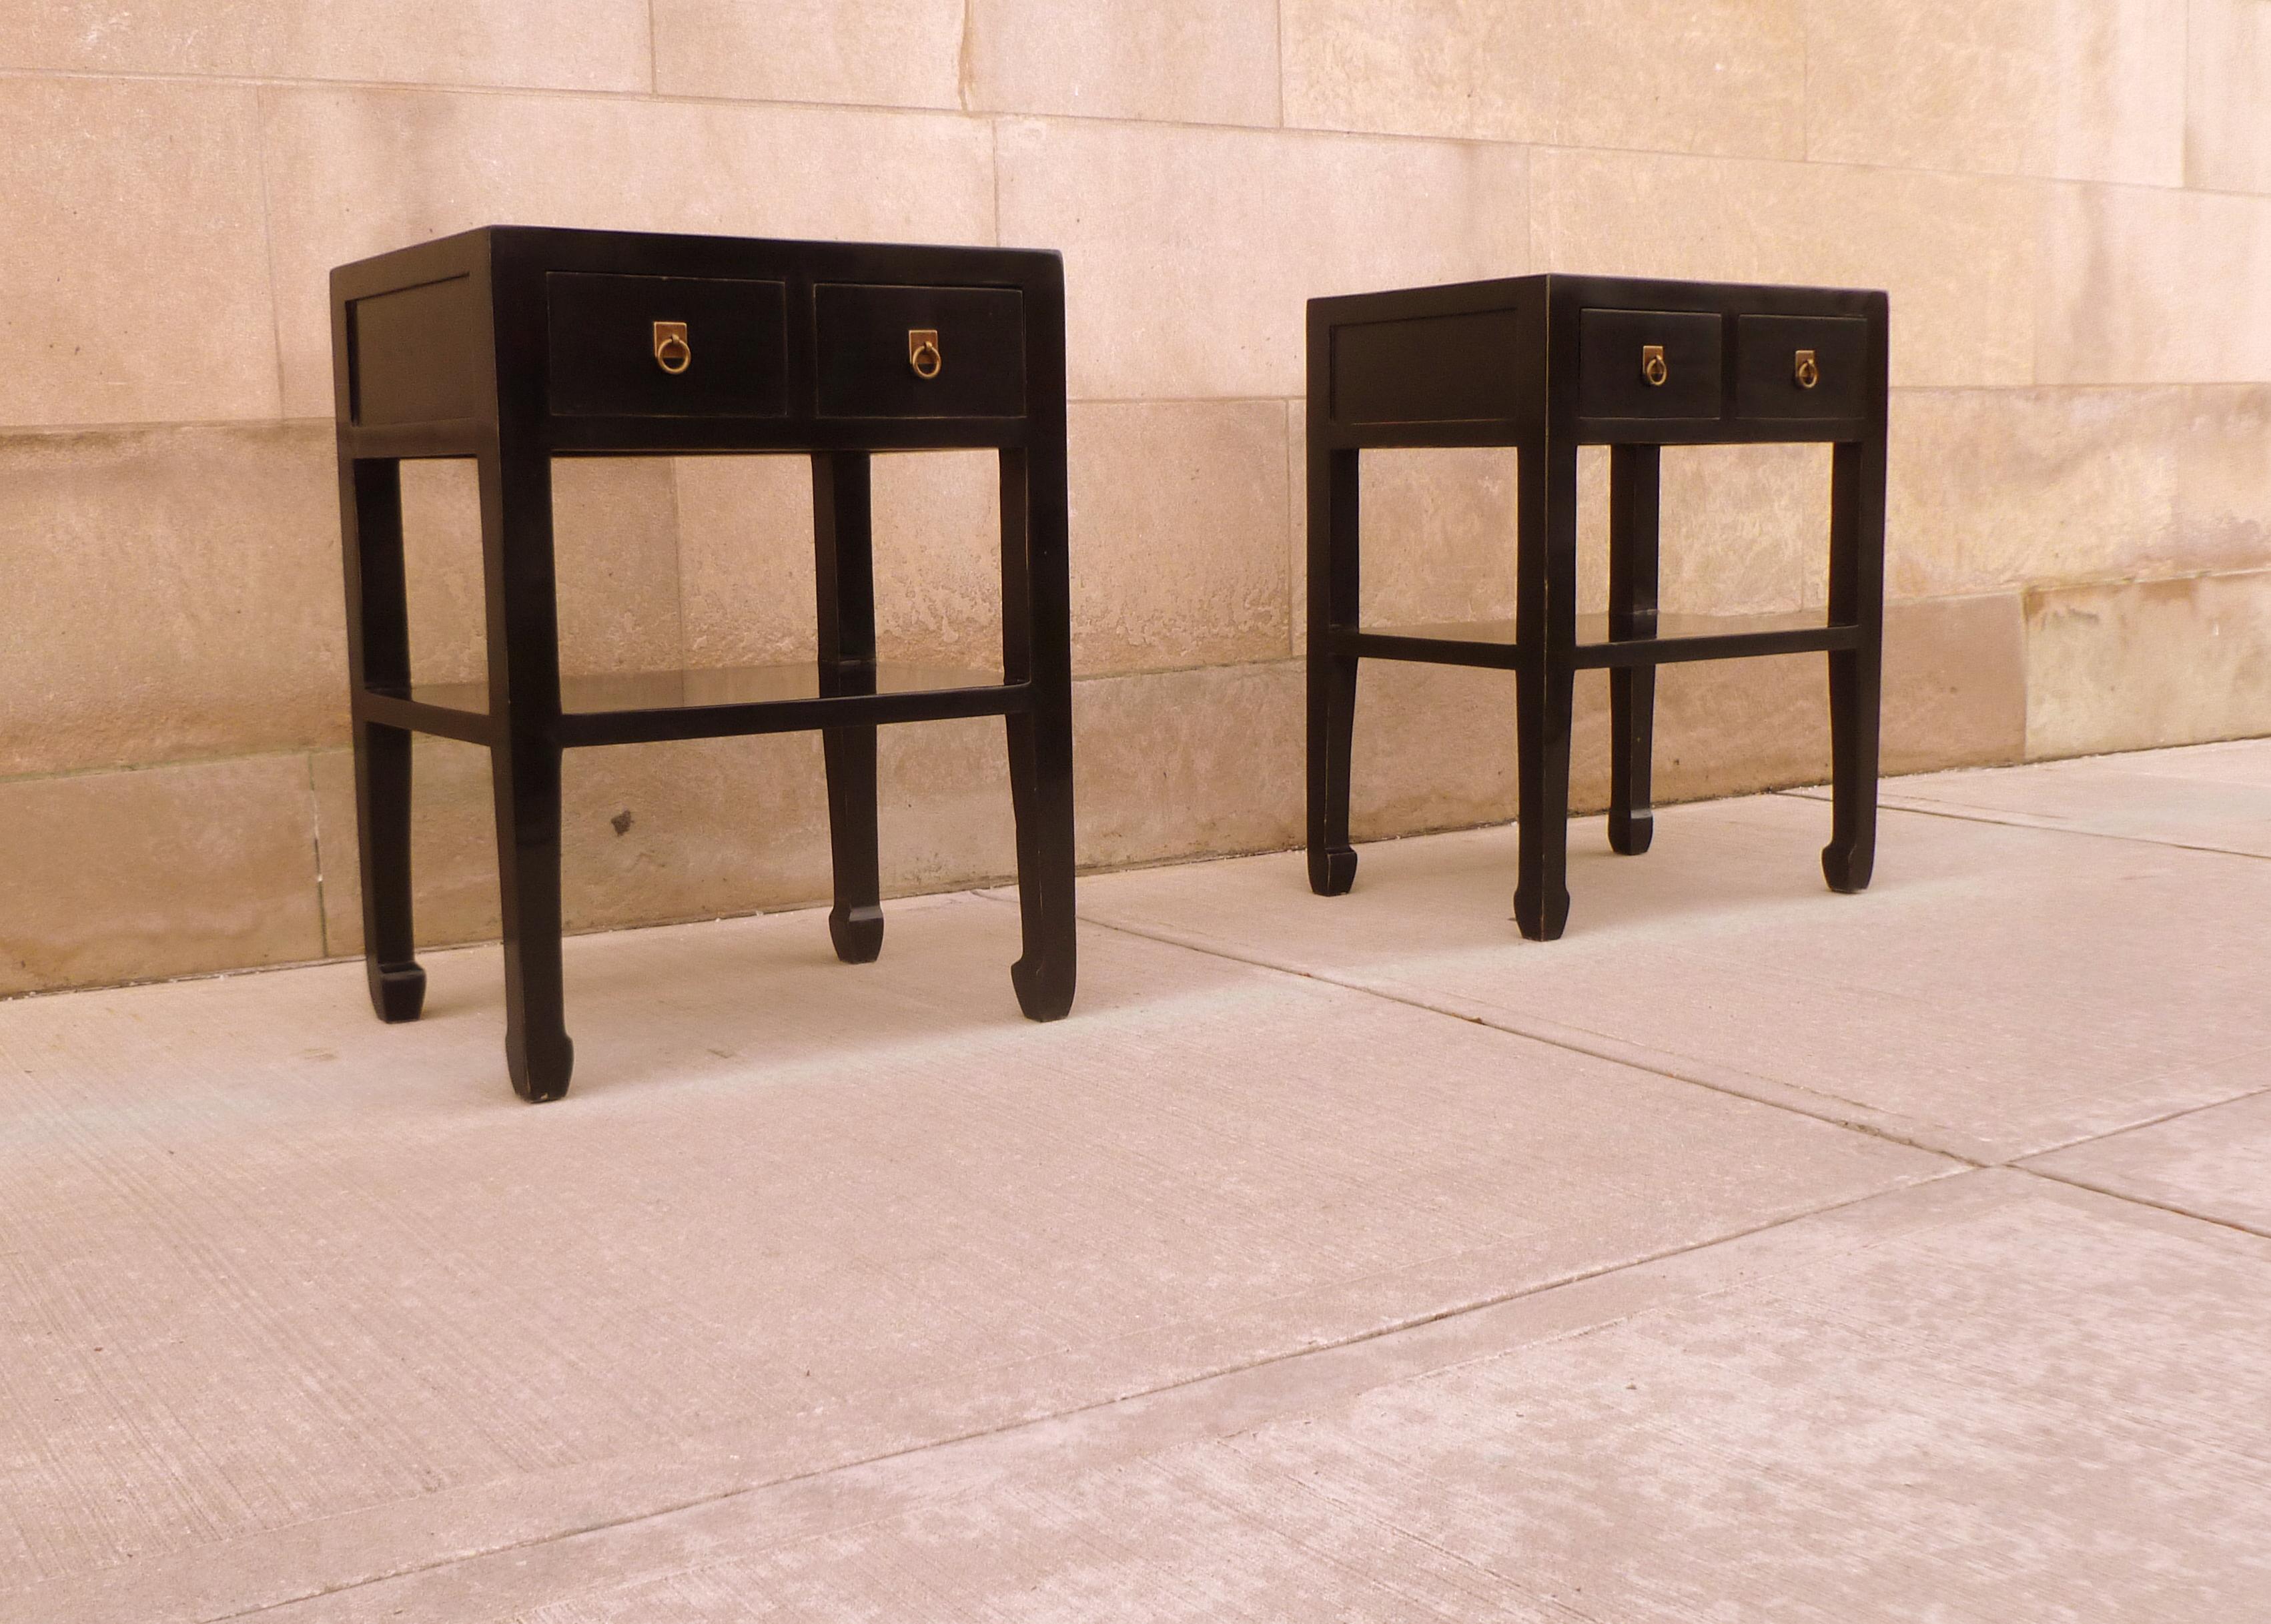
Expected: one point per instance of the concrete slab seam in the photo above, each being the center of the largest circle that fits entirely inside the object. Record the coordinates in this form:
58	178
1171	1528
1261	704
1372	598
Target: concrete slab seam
1768	1092
2020	820
1943	1197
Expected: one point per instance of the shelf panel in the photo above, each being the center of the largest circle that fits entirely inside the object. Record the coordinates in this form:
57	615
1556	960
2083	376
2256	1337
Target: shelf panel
1491	643
636	707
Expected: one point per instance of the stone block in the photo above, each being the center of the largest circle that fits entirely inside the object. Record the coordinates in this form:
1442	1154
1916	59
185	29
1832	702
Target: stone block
169	871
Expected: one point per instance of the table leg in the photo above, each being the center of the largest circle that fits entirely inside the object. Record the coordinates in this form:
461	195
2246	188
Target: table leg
379	651
1546	637
1635	483
524	638
1334	566
1036	647
1856	597
538	1051
844	571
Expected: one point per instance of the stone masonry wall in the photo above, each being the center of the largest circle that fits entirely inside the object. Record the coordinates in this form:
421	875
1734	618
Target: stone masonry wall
2068	200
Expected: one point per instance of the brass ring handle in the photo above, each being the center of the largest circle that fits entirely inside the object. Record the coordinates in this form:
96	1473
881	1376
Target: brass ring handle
922	351
672	352
1653	366
1807	373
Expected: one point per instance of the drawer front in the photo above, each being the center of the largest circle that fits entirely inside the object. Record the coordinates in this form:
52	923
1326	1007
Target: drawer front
1615	351
1771	352
877	344
613	353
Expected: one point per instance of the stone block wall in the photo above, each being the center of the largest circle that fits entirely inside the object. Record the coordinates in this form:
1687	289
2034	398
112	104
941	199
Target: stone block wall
2069	202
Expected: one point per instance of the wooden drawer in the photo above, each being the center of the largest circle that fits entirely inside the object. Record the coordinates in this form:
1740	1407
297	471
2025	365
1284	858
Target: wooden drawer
868	339
1613	347
1770	375
604	343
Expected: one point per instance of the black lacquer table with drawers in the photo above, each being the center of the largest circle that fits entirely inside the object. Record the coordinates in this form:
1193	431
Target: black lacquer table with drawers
1546	364
512	345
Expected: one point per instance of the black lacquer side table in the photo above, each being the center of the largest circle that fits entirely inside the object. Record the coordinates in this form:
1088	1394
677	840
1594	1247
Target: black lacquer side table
1546	364
512	346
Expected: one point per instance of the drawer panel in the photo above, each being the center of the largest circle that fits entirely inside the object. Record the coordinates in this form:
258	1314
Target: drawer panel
1768	352
867	364
1428	369
1612	347
417	354
601	334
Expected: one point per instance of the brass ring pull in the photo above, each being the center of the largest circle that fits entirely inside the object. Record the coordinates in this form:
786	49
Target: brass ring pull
1653	366
922	351
672	352
1807	373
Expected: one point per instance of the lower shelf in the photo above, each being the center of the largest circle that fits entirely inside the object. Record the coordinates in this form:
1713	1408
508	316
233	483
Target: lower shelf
1491	643
646	706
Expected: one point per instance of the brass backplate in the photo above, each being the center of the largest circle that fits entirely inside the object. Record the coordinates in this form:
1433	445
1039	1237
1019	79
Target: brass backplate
672	351
923	353
1653	366
1805	369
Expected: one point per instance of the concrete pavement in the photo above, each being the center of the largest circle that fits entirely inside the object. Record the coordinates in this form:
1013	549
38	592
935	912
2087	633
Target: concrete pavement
1752	1252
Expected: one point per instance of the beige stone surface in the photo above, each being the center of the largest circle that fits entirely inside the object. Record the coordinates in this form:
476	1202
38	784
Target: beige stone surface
937	536
2082	89
2147	663
364	1313
1723	727
1201	62
2151	286
1956	683
1996	489
2227	121
1914	1408
1420	67
354	172
2084	394
453	844
615	547
171	593
578	45
1172	764
1435	531
2215	1164
134	253
1967	1001
745	555
1436	745
2223	480
1955	252
2213	797
1434	749
745	550
1168	765
1743	528
696	829
866	1295
895	53
1714	76
1992	488
1178	512
166	871
1190	253
1727	76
